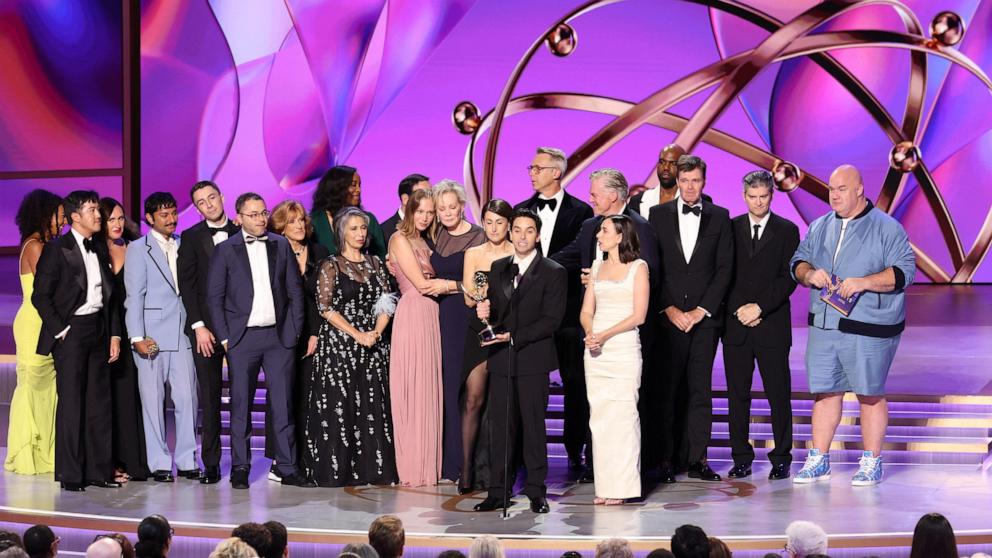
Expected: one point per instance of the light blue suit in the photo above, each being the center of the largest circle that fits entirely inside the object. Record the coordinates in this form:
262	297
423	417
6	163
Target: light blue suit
154	309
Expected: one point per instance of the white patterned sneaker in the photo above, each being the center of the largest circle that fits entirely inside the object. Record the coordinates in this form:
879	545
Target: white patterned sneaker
869	470
816	468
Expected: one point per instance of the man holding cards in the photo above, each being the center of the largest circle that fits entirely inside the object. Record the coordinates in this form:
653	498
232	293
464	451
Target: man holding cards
857	263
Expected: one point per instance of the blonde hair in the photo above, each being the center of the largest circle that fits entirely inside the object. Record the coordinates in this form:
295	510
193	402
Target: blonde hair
283	213
407	226
447	186
233	548
486	546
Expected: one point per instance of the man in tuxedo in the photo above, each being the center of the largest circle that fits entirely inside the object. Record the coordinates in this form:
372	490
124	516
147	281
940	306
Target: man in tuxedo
697	255
608	196
759	324
561	216
196	247
80	328
667	189
408	185
526	298
156	320
255	299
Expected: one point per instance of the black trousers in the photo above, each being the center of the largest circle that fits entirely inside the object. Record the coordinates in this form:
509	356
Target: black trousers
83	416
773	364
528	403
260	348
691	370
654	376
209	372
571	367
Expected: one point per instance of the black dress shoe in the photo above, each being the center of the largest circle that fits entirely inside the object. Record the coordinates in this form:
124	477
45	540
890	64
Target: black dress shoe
491	503
702	471
192	474
740	470
587	476
464	489
575	464
666	475
295	479
210	476
104	484
73	486
163	476
239	478
779	472
539	505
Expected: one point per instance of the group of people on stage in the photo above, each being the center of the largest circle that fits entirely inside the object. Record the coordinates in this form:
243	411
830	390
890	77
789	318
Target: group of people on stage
420	349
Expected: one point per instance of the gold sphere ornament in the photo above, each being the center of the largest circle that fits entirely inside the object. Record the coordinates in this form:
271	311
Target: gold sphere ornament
562	40
947	28
786	175
466	117
905	156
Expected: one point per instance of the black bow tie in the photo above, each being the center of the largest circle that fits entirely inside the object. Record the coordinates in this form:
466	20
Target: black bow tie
550	204
89	245
230	228
695	210
249	239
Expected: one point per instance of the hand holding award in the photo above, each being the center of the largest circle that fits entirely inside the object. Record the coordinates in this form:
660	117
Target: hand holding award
481	283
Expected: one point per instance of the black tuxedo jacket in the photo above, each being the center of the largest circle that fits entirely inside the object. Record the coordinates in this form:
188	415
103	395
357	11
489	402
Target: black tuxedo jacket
762	276
704	280
389	226
581	252
230	291
196	247
634	204
571	215
60	289
531	313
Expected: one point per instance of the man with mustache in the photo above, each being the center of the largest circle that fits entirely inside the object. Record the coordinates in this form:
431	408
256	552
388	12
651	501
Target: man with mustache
156	320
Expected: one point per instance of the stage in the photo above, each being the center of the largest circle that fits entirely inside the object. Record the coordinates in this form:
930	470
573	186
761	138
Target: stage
937	458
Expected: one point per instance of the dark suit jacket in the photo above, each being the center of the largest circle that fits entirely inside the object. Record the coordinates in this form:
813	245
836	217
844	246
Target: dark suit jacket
60	289
634	204
389	227
762	277
704	280
531	313
571	215
316	253
581	252
196	247
230	292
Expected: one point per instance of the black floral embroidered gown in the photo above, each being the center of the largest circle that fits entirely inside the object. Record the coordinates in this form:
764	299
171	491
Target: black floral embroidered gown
347	430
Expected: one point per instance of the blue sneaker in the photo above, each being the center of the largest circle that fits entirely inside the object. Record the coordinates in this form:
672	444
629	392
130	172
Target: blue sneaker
869	470
816	468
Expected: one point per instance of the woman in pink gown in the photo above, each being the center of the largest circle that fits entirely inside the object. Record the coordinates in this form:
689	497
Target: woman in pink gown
415	360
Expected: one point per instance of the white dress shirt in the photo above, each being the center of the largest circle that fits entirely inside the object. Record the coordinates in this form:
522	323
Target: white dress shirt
94	283
688	228
761	224
263	308
523	264
548	219
219	236
651	198
170	248
843	229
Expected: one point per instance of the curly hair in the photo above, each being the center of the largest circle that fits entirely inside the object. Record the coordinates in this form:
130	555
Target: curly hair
332	190
34	216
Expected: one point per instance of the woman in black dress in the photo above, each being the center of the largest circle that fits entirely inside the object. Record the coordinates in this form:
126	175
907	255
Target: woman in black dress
290	219
347	427
128	434
453	235
478	260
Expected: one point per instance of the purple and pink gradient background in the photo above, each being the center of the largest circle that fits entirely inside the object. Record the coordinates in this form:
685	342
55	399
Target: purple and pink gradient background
265	95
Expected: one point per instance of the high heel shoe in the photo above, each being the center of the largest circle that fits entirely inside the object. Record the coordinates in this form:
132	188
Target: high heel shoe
463	490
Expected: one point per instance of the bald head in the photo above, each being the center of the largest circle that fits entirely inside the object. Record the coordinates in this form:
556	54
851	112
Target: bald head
666	169
104	548
846	191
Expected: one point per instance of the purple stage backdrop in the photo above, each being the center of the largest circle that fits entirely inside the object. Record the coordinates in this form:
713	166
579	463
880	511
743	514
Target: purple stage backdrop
265	95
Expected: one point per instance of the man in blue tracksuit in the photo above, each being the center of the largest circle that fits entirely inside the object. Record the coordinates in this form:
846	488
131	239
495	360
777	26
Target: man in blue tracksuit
869	252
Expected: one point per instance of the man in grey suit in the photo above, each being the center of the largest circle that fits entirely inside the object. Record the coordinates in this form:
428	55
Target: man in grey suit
155	318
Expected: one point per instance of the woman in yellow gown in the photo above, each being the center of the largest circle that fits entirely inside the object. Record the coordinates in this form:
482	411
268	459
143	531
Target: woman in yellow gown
31	434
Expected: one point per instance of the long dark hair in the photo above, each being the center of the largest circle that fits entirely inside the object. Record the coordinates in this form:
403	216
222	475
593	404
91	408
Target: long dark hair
332	190
34	216
154	535
630	246
107	206
933	538
499	207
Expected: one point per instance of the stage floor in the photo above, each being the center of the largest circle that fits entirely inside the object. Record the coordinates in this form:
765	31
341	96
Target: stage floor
750	513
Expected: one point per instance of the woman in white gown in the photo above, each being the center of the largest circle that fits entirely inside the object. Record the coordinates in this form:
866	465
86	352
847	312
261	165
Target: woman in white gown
615	304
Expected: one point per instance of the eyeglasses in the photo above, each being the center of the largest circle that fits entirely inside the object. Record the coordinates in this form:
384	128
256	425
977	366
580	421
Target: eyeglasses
256	215
534	169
